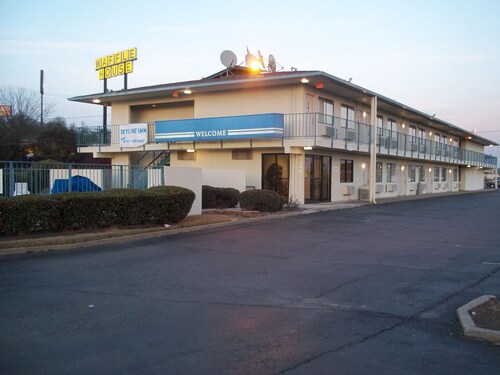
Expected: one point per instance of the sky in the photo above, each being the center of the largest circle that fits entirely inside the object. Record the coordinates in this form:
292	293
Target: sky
440	57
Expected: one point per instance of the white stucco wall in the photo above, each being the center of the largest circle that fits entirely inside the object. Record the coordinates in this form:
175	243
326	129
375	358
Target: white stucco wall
233	178
189	178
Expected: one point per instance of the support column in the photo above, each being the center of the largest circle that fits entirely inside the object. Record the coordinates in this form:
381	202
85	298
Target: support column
373	150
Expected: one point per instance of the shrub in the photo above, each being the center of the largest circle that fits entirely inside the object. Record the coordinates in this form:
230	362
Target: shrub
216	197
261	200
169	204
29	213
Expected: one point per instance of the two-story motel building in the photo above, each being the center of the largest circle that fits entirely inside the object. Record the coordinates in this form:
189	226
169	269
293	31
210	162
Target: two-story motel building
307	134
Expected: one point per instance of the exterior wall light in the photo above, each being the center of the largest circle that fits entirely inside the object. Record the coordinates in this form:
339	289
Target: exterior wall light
187	92
430	170
308	148
403	125
402	168
190	150
430	133
304	80
449	171
363	165
96	101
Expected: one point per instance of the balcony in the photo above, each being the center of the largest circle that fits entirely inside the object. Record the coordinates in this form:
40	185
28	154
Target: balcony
304	129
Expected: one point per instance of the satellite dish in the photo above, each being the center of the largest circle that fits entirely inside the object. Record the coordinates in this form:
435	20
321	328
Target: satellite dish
228	59
250	60
271	66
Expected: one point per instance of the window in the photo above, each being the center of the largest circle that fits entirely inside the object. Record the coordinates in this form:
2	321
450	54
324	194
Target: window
347	114
242	155
436	174
421	135
380	124
412	131
184	155
326	111
455	175
391	172
346	170
412	173
444	139
378	172
437	145
443	174
392	127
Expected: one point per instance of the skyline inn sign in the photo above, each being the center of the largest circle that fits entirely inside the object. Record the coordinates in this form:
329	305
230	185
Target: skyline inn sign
116	64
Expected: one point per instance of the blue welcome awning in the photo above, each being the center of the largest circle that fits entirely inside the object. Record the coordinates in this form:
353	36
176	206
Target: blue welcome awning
269	125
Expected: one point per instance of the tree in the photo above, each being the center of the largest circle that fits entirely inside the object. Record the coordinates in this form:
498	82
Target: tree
56	141
17	135
25	102
19	132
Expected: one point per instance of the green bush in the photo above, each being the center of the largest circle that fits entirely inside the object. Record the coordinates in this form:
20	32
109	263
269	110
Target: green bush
118	207
169	204
261	200
29	213
216	197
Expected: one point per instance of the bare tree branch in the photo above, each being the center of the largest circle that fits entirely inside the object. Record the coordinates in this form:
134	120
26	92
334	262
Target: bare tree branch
24	101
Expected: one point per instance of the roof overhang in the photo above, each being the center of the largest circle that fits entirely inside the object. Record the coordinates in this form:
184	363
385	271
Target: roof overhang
317	80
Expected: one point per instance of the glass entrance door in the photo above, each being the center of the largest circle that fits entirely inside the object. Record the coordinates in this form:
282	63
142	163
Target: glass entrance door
317	185
275	173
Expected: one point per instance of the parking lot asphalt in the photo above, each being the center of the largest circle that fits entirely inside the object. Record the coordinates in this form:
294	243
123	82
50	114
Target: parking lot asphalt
367	290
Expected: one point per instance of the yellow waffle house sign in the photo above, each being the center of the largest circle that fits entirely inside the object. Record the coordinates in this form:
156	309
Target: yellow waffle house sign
116	64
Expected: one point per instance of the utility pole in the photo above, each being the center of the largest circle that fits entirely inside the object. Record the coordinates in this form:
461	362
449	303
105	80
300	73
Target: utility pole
41	97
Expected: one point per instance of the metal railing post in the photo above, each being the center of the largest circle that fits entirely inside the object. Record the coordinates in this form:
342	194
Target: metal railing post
69	177
12	178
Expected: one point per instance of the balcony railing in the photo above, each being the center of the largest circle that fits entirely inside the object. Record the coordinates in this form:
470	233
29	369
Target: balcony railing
320	130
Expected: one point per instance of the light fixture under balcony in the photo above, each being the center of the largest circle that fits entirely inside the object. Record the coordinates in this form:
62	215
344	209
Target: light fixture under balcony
96	101
304	80
308	148
190	150
188	92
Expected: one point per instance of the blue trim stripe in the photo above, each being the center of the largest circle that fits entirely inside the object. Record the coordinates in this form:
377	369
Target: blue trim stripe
269	125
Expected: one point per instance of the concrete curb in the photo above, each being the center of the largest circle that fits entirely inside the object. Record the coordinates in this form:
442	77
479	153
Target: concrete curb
469	327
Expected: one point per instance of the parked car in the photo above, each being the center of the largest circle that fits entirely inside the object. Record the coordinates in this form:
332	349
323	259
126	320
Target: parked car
491	183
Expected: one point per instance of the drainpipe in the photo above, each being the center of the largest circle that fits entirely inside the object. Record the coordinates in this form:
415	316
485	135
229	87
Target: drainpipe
373	150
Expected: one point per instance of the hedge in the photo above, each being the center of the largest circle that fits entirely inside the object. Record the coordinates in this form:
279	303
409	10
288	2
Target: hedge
119	207
216	197
29	213
261	200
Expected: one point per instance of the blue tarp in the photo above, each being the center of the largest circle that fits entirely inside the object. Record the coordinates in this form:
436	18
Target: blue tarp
78	183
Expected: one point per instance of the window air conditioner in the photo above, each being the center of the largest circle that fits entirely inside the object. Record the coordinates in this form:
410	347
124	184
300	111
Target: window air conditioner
391	188
350	135
347	190
328	131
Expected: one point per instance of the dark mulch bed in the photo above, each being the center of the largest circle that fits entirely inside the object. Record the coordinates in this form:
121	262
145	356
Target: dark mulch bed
487	315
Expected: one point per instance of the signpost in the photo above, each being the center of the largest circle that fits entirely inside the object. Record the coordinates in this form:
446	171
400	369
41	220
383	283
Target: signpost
114	65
